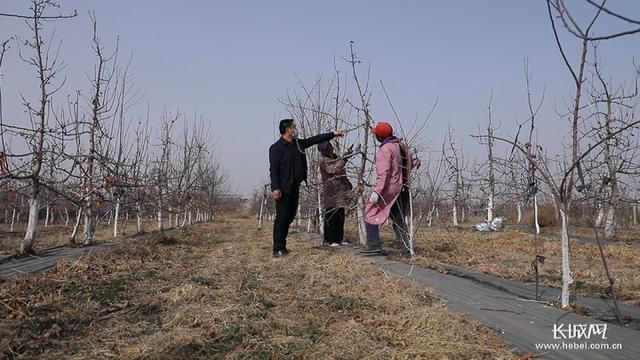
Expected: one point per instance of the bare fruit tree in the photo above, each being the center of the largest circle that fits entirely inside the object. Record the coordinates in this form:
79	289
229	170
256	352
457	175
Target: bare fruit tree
488	167
571	175
455	170
613	109
102	106
40	135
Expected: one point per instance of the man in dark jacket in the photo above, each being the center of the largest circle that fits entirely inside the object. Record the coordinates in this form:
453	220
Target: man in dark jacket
288	169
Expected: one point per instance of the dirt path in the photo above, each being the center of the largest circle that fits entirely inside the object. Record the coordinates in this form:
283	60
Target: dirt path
521	322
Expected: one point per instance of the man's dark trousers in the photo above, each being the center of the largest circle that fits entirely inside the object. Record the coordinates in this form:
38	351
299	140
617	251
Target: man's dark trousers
286	209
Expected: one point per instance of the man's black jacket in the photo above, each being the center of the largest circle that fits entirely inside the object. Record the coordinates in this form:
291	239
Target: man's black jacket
282	161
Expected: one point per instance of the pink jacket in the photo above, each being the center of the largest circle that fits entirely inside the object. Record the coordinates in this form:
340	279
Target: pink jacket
388	182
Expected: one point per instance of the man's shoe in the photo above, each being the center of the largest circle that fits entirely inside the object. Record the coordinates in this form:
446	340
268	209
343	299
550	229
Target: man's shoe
279	253
286	251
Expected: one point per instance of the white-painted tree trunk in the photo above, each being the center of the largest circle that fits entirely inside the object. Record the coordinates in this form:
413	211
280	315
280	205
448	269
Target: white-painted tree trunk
90	223
490	208
411	227
160	220
455	215
600	216
170	210
190	221
184	218
66	217
519	206
430	215
138	217
46	216
116	216
74	231
609	224
262	203
298	216
320	212
567	279
535	214
32	224
13	219
635	218
362	232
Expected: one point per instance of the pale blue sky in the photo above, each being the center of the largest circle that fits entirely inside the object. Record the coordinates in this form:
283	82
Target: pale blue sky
232	60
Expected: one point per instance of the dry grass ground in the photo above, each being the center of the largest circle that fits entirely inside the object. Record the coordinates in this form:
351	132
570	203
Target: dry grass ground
509	254
56	235
214	291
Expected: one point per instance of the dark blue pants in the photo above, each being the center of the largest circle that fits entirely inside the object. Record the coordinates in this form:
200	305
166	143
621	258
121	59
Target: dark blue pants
396	215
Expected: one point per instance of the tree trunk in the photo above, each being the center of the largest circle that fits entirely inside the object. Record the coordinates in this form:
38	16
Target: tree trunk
138	217
116	216
455	215
184	218
90	222
609	225
262	202
567	280
32	224
66	217
160	220
46	216
74	232
13	219
519	206
635	218
600	216
490	208
362	232
430	215
411	227
320	211
535	214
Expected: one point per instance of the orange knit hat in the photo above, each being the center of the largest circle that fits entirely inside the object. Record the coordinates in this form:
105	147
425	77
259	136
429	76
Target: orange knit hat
382	129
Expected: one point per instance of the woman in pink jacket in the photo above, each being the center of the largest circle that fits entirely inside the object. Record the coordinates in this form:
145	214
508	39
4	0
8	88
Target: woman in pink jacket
390	195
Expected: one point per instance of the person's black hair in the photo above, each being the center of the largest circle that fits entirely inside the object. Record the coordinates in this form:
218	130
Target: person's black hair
284	125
